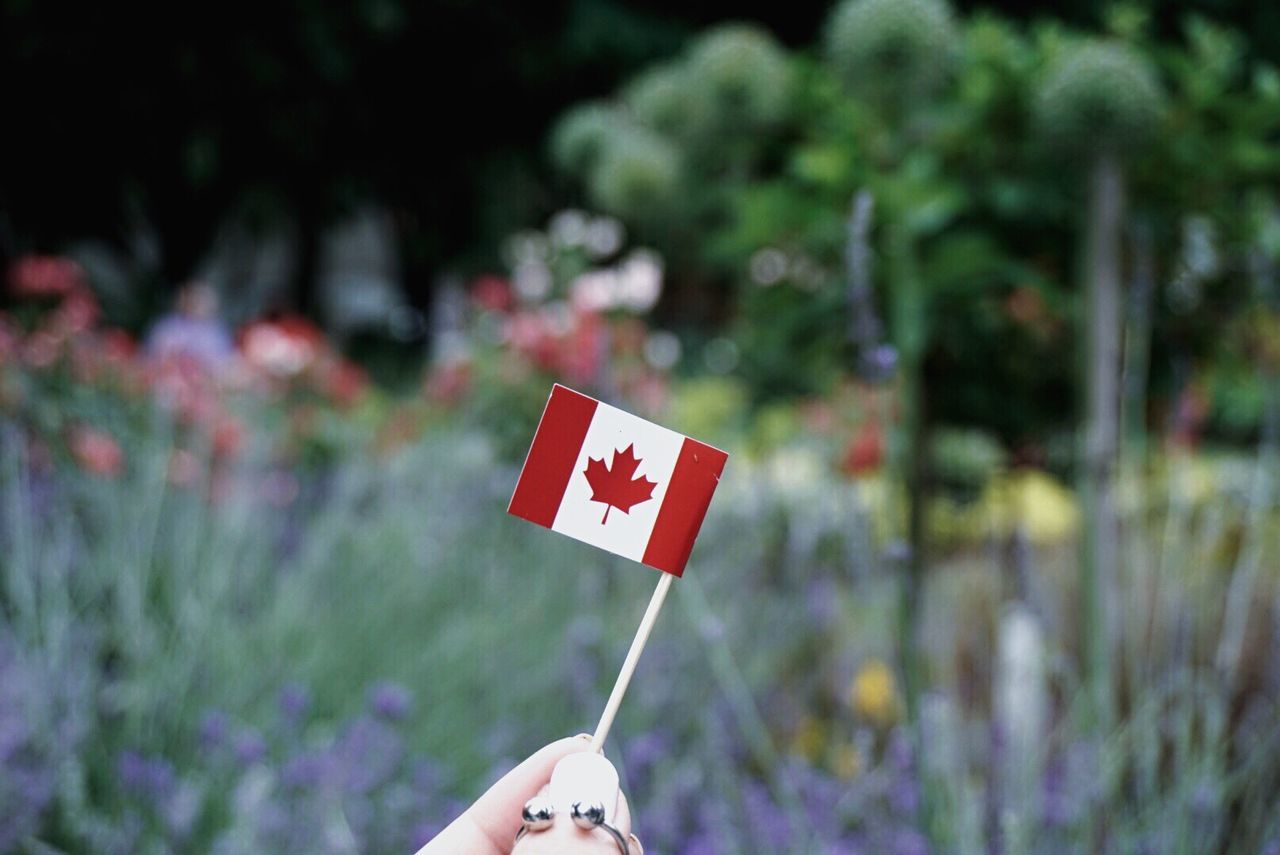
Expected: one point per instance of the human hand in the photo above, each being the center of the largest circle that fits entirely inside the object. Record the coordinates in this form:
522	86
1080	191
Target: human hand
490	825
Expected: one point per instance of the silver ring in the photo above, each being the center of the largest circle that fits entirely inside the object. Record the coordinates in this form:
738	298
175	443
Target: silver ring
539	815
590	816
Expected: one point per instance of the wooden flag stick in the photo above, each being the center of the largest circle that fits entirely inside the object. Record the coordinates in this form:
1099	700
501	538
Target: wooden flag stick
629	664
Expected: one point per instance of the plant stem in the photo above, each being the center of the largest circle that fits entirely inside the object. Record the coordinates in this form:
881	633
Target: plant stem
911	454
1101	320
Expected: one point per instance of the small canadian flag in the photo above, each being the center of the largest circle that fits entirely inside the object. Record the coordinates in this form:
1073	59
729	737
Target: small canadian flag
616	481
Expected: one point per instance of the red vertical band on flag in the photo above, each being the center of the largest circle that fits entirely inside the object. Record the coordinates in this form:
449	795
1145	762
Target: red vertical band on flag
554	452
692	484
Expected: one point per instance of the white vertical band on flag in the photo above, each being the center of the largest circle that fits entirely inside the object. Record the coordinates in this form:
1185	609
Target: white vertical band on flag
611	432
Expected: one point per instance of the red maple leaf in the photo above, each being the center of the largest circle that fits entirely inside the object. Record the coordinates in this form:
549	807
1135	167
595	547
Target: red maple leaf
614	485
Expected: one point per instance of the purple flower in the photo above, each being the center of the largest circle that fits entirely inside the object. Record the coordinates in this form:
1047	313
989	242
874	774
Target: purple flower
213	729
25	792
249	747
368	754
182	808
904	796
142	776
643	753
702	844
850	844
767	822
14	734
390	700
899	752
879	363
908	841
131	770
295	700
897	552
1058	809
306	770
425	777
822	601
424	832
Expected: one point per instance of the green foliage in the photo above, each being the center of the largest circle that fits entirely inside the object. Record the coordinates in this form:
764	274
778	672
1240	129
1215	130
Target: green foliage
580	138
956	128
711	408
742	79
1098	96
789	345
636	176
964	458
662	98
893	49
682	137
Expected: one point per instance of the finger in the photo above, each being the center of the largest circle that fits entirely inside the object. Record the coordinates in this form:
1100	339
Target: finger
497	812
489	826
623	819
566	838
624	824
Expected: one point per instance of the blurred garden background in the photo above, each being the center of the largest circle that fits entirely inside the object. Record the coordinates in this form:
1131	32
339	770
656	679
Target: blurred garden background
982	300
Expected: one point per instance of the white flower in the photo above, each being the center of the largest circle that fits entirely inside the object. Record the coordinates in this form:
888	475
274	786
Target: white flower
662	350
640	280
569	228
526	247
531	280
768	266
595	290
1021	707
604	237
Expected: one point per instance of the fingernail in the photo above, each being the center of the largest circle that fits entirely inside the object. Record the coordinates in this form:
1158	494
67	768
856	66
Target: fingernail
583	736
586	778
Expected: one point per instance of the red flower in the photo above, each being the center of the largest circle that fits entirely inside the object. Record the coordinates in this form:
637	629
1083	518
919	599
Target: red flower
76	314
39	276
9	339
181	384
228	437
86	360
344	382
448	382
118	347
96	452
492	293
41	349
283	348
184	468
865	451
533	335
584	351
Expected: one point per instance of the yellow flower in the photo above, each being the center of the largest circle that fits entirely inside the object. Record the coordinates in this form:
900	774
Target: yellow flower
875	693
847	762
808	739
1046	510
